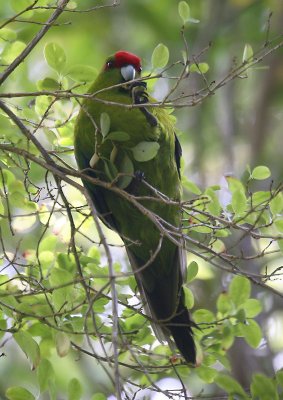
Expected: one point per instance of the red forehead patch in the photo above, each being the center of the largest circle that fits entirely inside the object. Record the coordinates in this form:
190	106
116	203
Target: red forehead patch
123	58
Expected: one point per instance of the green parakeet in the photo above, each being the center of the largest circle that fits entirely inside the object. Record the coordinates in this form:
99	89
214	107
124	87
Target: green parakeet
137	149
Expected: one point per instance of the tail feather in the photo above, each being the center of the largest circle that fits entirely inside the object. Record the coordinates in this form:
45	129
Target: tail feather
181	329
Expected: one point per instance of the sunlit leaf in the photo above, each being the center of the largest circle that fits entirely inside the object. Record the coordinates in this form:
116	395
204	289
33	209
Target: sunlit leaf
189	297
252	333
104	123
201	68
29	347
190	186
230	385
248	53
261	172
8	35
49	84
206	374
224	304
12	51
239	290
55	56
75	389
184	11
276	204
45	374
99	396
63	344
252	307
263	388
192	271
160	56
18	393
145	151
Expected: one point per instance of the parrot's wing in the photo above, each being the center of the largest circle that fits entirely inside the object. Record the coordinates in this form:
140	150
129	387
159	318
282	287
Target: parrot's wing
178	154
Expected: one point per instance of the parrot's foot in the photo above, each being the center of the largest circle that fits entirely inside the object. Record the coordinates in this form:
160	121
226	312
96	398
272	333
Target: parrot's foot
136	182
140	97
139	176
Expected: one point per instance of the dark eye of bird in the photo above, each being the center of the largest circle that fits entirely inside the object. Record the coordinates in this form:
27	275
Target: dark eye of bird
110	64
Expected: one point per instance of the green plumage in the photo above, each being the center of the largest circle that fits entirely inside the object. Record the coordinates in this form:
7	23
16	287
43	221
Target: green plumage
160	282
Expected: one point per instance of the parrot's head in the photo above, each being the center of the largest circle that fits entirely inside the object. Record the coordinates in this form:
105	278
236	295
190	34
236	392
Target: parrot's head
125	65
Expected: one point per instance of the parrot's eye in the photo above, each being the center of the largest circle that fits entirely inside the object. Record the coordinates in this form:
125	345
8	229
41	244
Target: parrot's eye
110	64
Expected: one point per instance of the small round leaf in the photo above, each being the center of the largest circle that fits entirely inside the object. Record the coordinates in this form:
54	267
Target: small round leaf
261	172
184	11
55	56
145	151
160	56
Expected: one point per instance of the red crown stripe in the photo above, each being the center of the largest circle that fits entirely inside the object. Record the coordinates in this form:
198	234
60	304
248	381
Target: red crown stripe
123	58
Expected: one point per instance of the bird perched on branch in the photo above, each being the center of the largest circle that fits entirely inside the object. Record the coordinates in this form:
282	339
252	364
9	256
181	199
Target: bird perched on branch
121	138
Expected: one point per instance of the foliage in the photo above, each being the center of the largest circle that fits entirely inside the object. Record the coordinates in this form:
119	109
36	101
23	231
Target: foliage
65	292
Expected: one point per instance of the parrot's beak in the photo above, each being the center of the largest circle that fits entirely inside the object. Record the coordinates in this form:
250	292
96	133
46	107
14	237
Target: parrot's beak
128	73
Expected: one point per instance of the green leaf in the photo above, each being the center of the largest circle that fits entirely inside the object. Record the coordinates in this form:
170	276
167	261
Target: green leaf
192	271
279	377
263	388
184	11
45	375
261	172
29	347
239	202
279	225
63	344
239	290
99	396
55	56
160	56
66	261
224	304
227	337
248	53
48	84
21	5
82	73
12	51
251	331
110	170
49	243
203	316
260	197
145	151
18	393
104	123
207	374
8	35
252	307
276	204
201	68
190	186
213	206
230	385
126	167
189	297
75	389
118	136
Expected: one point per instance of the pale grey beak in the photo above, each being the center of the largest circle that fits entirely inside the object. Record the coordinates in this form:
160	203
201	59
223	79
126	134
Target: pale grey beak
128	72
